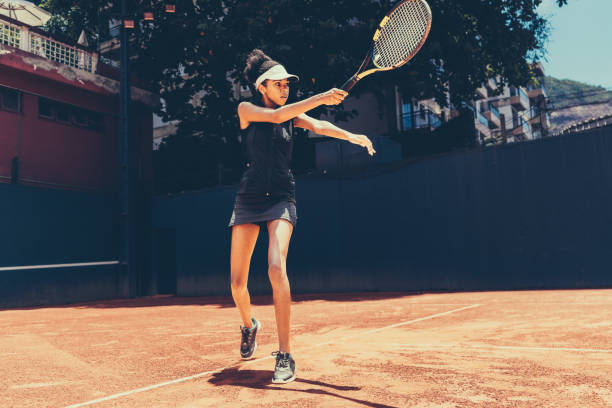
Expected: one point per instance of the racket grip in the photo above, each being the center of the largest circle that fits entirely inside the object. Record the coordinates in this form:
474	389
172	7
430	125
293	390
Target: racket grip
348	85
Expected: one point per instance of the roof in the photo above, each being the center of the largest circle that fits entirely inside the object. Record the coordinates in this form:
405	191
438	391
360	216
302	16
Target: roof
14	58
592	123
25	12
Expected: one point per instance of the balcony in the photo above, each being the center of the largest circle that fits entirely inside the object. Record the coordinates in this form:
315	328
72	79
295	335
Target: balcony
35	41
535	122
483	133
538	119
518	99
481	124
535	118
421	119
481	93
482	119
491	113
491	84
523	130
491	141
539	92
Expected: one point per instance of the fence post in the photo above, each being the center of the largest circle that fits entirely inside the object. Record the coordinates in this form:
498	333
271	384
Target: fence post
14	170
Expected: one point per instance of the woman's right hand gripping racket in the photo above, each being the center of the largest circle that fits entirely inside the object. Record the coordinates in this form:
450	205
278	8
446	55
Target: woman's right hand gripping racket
400	35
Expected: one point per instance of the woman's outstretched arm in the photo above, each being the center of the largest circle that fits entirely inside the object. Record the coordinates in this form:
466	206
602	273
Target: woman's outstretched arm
322	127
249	112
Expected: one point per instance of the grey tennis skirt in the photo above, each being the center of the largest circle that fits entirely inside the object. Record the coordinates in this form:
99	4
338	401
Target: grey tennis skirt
284	210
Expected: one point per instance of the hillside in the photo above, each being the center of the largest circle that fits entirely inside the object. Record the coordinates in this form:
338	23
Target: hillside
562	118
573	101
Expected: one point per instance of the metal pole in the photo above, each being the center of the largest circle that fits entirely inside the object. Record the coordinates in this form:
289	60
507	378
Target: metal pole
15	163
542	107
126	259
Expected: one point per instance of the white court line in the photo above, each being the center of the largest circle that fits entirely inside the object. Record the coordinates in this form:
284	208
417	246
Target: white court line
68	265
192	377
489	346
569	303
420	319
152	387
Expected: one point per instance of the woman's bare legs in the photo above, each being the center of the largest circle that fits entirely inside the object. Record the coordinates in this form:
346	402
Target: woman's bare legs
279	232
244	238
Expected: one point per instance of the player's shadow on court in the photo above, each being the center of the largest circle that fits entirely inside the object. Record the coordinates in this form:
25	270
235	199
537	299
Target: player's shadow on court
262	380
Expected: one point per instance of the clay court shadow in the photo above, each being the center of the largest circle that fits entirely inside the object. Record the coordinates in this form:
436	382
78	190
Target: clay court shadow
223	301
261	380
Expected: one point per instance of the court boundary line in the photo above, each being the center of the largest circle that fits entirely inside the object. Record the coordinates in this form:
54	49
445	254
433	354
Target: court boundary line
206	373
420	319
160	385
492	346
51	266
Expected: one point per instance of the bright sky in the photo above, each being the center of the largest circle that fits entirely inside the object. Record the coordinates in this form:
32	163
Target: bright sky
580	42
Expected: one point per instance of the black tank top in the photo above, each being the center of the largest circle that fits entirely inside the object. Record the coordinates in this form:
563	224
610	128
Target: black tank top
267	178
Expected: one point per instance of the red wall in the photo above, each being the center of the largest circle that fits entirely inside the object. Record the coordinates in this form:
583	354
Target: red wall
8	142
57	153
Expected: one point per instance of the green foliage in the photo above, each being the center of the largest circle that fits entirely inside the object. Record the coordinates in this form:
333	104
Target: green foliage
189	54
71	17
322	40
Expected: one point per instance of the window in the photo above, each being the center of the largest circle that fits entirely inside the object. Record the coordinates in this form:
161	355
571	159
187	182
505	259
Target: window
62	113
9	99
80	117
45	108
96	121
70	114
407	116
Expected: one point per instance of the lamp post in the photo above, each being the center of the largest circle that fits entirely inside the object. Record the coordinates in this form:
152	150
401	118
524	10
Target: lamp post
129	263
126	258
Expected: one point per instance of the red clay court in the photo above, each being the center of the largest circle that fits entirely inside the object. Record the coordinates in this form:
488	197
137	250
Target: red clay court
484	349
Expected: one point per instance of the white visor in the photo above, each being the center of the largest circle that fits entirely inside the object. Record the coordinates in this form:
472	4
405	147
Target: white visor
275	73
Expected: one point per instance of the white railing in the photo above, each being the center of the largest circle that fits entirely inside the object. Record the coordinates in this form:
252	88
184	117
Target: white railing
45	46
62	53
10	35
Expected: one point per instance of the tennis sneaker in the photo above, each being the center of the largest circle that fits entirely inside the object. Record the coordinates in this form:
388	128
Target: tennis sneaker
284	370
248	345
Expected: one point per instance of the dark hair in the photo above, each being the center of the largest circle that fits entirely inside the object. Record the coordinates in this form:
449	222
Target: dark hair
256	64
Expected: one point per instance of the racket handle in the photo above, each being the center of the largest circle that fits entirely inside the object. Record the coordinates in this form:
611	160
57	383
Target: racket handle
348	85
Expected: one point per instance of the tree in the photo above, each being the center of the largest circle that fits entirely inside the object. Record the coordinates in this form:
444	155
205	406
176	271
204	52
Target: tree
190	54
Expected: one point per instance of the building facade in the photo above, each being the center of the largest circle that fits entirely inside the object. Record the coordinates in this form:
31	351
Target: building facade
515	114
59	114
501	114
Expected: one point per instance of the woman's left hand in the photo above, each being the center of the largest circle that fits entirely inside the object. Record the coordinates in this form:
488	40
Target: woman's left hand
362	140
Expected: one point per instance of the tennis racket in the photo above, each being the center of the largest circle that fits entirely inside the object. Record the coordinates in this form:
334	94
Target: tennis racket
400	35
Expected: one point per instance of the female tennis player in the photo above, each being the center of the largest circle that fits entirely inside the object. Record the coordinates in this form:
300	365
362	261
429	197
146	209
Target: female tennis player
266	194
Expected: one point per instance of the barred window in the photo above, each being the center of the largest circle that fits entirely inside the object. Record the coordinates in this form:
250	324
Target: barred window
9	99
96	120
10	35
62	113
81	117
70	114
45	108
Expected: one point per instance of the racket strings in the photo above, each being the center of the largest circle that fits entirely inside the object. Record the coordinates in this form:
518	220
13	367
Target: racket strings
403	34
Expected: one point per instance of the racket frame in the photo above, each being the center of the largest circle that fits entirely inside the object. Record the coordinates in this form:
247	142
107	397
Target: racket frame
362	72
